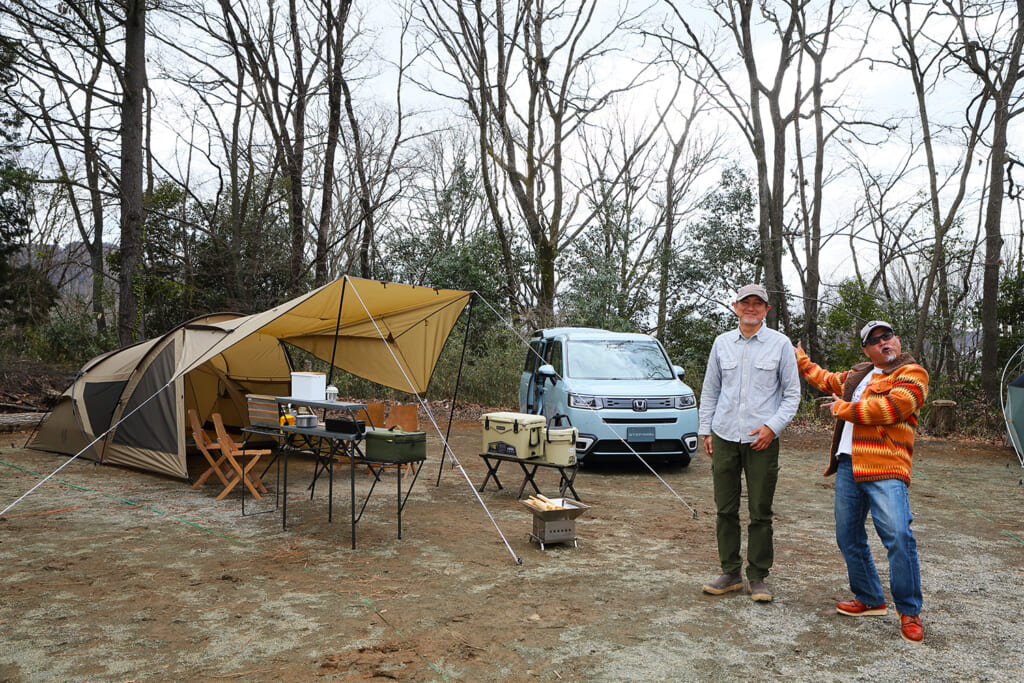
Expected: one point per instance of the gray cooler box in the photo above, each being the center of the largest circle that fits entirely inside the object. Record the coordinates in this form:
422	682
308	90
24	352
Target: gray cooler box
394	446
515	434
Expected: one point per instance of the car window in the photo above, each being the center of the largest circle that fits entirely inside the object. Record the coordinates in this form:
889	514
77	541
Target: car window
553	355
533	356
596	359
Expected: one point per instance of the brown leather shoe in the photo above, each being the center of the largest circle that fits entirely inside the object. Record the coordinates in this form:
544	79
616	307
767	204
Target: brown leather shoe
911	628
856	608
723	584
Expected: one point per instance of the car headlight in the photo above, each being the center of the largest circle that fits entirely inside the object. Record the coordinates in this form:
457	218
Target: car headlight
587	402
686	401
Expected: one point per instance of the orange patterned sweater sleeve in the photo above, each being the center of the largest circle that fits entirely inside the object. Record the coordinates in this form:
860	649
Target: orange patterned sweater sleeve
884	419
888	399
820	378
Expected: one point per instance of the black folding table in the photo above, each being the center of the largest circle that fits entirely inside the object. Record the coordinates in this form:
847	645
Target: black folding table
566	473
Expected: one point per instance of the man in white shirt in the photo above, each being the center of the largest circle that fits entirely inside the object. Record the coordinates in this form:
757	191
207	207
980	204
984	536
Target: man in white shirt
751	392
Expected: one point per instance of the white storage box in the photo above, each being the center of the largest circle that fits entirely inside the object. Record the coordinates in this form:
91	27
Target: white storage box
311	386
516	434
560	446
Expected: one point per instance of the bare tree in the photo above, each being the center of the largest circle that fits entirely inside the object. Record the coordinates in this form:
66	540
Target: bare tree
67	94
816	38
335	20
988	43
768	111
130	327
759	113
919	55
691	152
275	59
527	71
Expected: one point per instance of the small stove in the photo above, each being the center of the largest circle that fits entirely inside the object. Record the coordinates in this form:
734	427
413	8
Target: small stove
557	525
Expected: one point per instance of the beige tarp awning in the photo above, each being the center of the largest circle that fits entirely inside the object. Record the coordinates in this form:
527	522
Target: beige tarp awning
396	344
389	333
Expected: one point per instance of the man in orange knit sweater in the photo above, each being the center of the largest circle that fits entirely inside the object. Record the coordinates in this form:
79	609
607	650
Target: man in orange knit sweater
876	409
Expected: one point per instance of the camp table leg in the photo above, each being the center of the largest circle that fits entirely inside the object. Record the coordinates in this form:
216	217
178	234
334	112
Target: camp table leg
567	481
330	483
284	494
323	451
492	471
277	489
286	450
277	472
353	452
319	463
528	475
401	501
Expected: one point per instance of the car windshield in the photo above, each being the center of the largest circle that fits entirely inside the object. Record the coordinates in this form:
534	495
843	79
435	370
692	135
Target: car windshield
632	359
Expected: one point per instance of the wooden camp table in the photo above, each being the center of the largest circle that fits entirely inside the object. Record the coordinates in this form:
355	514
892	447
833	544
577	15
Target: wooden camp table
566	473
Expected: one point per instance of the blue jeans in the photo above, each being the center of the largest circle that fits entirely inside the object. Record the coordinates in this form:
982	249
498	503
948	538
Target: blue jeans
889	505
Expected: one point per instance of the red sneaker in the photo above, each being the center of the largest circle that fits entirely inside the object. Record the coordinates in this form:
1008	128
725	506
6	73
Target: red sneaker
856	608
911	628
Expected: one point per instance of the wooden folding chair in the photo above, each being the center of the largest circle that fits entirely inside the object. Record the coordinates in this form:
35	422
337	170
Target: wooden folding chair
206	446
373	415
406	418
234	453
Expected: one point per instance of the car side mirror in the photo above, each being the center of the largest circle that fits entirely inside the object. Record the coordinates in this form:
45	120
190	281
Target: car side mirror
679	371
547	371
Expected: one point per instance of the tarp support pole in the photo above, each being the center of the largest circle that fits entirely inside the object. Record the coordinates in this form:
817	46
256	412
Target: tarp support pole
458	382
337	325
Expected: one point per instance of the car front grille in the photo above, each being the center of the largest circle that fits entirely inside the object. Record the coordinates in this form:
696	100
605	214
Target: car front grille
654	403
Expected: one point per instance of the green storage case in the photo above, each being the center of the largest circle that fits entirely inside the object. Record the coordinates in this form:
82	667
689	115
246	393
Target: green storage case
394	446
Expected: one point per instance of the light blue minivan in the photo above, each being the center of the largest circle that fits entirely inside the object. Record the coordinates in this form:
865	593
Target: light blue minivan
618	389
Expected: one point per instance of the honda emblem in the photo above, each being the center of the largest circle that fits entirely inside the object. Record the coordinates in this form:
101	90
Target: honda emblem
639	405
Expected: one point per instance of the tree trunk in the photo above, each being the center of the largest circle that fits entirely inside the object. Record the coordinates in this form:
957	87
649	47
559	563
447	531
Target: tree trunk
993	255
130	328
336	59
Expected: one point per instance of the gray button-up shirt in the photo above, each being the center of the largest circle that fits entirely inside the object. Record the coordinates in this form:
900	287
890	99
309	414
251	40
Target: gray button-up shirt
749	383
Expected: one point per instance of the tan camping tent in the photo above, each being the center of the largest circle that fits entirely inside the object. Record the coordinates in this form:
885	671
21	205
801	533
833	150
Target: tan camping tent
136	397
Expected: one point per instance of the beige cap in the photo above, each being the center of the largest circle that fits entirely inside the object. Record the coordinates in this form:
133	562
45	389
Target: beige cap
866	330
747	290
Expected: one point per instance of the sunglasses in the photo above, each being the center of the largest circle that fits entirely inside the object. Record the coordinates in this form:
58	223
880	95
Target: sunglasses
875	341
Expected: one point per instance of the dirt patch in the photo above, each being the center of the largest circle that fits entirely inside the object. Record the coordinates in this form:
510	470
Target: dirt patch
111	574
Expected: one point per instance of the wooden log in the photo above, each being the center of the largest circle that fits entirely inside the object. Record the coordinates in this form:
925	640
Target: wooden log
19	422
942	419
822	411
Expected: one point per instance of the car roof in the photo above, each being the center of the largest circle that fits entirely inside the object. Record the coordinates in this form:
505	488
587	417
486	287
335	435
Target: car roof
574	333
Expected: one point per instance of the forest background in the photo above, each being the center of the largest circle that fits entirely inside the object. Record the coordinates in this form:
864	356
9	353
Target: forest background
624	165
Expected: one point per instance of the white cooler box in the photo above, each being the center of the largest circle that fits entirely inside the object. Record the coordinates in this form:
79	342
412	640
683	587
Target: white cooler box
560	446
311	386
516	434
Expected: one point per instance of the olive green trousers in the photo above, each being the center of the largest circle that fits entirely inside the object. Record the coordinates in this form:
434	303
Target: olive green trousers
731	462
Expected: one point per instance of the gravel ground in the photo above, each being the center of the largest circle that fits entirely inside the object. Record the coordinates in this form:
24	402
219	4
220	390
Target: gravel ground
114	575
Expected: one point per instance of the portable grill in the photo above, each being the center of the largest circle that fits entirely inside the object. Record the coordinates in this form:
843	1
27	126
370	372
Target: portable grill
556	526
